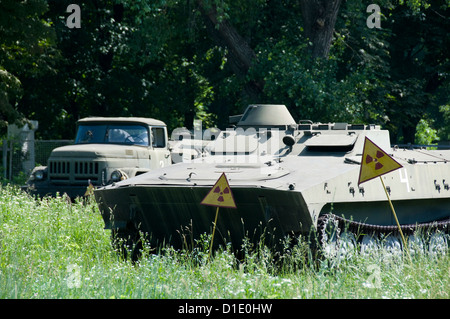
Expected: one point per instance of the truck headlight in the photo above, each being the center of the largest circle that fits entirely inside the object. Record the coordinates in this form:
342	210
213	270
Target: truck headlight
39	175
118	175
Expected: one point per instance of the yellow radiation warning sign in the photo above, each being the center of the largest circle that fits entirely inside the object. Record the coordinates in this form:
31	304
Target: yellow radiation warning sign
375	162
220	194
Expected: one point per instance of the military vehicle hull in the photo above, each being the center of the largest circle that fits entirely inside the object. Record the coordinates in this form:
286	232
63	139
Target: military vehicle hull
172	214
284	190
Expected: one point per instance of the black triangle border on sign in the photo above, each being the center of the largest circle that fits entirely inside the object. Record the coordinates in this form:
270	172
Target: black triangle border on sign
362	160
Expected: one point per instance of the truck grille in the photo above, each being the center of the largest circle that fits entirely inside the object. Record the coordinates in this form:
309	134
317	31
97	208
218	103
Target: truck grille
74	172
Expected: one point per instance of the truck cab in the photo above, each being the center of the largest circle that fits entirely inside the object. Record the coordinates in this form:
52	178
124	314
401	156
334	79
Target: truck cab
106	150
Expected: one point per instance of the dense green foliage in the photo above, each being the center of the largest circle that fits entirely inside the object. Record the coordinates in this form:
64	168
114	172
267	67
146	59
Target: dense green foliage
53	249
170	59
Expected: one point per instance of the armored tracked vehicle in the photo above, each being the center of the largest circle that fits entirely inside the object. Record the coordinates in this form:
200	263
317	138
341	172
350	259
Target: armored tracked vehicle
286	178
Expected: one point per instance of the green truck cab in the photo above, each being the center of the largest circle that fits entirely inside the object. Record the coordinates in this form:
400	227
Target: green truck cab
106	150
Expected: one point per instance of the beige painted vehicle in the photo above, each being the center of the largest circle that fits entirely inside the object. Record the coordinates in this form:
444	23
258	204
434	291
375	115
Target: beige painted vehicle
106	150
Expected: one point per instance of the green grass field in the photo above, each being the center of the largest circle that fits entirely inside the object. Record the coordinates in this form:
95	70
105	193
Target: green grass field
53	249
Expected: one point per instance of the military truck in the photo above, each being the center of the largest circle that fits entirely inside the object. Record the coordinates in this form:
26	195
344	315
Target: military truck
106	150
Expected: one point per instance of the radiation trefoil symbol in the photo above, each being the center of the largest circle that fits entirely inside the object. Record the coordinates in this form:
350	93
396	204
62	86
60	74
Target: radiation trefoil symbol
221	193
370	159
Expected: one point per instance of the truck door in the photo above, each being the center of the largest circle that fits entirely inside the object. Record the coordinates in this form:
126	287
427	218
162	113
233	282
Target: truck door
159	154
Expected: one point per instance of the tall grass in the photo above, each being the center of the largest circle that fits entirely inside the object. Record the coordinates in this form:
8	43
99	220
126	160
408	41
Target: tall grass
51	248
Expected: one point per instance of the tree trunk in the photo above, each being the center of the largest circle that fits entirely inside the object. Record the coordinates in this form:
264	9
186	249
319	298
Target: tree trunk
409	133
320	17
240	54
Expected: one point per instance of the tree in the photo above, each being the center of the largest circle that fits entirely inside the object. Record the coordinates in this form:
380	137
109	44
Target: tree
208	59
419	72
26	50
319	17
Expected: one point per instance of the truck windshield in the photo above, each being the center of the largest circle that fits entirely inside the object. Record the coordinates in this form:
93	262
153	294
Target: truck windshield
112	134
